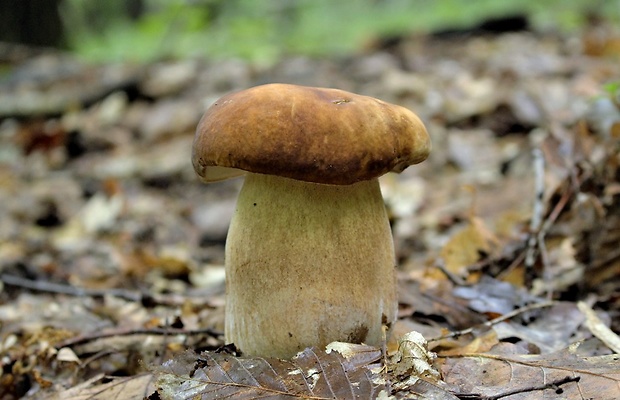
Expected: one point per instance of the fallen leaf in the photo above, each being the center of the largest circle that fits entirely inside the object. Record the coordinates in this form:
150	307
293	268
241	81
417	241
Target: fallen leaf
465	247
138	387
526	376
482	343
413	358
491	296
343	371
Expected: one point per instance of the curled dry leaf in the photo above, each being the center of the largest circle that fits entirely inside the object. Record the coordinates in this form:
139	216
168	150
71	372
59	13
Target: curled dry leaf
413	358
68	355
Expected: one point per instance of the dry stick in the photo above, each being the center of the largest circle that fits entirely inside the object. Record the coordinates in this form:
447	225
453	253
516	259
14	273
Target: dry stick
84	363
455	279
83	339
50	287
553	216
554	385
598	327
495	321
514	264
384	359
538	227
537	212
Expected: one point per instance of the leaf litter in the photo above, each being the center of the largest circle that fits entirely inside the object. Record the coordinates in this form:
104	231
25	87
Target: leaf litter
111	251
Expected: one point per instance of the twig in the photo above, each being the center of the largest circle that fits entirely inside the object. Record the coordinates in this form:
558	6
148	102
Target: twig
553	216
455	279
134	296
598	328
538	227
553	385
557	210
538	209
495	321
50	287
514	264
83	339
384	359
85	363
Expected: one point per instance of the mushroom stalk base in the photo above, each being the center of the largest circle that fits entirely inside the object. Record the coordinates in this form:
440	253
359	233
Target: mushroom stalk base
308	264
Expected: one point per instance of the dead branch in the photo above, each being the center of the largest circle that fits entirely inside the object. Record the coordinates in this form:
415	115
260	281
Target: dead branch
133	296
538	209
83	339
495	321
553	385
50	287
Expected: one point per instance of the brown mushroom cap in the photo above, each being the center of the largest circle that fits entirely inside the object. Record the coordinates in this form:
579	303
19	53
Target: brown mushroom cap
309	134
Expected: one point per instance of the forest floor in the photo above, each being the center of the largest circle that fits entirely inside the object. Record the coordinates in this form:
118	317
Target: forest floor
507	237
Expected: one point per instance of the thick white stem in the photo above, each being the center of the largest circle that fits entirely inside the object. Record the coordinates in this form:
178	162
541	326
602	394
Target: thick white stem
308	264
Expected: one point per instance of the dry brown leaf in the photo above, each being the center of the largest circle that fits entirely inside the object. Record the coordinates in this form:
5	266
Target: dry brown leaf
343	371
483	342
464	248
136	387
312	374
491	296
528	376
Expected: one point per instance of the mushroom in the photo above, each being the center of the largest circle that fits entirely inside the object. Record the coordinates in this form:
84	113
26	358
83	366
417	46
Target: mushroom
309	254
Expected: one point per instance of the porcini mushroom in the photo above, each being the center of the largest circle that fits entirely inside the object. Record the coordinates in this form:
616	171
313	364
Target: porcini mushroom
309	254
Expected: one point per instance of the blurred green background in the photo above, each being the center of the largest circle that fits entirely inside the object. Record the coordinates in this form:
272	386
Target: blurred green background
265	30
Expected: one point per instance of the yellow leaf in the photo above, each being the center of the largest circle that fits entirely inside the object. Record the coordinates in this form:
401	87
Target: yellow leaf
466	246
